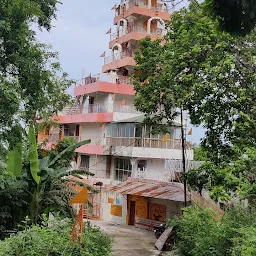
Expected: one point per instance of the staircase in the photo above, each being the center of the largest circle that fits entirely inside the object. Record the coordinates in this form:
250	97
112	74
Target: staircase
72	110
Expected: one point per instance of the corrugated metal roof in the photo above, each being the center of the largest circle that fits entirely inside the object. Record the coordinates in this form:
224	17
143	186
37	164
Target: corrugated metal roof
151	188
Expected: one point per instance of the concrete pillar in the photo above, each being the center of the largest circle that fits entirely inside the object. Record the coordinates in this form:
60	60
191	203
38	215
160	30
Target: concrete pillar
149	4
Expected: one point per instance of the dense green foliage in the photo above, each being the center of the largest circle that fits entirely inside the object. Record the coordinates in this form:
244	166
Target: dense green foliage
211	74
54	240
39	188
205	71
235	16
61	146
32	84
227	179
201	234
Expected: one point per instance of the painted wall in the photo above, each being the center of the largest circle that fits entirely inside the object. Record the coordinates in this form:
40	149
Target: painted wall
92	131
143	207
118	199
152	153
172	208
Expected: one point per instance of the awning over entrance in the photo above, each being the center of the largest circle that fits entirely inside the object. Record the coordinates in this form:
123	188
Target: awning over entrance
151	188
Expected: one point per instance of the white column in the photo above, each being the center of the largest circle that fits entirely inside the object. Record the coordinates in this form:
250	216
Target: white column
149	4
134	167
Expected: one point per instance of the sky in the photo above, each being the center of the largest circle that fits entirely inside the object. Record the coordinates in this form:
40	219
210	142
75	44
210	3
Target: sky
79	36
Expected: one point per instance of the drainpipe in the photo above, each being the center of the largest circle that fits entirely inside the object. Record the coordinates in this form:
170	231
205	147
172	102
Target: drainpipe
183	159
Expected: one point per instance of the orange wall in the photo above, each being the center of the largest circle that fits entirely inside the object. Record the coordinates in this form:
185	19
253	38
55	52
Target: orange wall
141	206
101	86
145	12
126	61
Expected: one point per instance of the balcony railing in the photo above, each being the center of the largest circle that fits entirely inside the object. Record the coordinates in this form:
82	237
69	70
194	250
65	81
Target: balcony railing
134	28
143	142
49	138
118	56
104	78
167	174
124	80
101	174
105	108
132	3
155	174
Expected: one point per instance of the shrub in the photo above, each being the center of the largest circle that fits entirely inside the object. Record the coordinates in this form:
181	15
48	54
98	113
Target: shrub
53	239
200	234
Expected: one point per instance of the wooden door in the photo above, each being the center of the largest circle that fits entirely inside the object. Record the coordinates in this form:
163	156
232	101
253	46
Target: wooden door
77	130
154	3
132	213
91	104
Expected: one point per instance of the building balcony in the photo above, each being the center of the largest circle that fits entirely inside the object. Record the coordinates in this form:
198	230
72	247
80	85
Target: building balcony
99	113
104	83
143	143
140	8
147	148
118	60
170	173
134	33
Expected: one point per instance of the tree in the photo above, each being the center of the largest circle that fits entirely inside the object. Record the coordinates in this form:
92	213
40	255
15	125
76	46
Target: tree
32	82
235	16
38	186
201	233
203	70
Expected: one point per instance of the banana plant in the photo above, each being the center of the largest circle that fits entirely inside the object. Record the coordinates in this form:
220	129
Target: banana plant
45	184
50	191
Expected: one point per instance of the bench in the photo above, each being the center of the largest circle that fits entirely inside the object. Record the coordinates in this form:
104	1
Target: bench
147	224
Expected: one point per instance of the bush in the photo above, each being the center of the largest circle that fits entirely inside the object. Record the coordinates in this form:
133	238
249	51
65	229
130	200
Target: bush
201	234
55	241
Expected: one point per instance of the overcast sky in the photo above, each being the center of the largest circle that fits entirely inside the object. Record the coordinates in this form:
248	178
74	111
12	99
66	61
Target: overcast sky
79	36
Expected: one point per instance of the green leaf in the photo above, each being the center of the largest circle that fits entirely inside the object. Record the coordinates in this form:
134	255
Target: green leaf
14	160
34	163
3	165
69	149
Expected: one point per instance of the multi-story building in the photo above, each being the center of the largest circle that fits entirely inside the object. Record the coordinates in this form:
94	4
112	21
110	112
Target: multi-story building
121	146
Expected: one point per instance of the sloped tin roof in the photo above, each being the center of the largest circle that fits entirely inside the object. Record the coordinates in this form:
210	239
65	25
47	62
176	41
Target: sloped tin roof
172	191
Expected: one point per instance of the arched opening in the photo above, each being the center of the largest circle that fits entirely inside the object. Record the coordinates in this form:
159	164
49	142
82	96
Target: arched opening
156	25
116	52
153	27
121	27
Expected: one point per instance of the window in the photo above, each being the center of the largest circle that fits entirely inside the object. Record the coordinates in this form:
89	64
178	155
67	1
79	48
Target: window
142	165
123	169
85	161
121	130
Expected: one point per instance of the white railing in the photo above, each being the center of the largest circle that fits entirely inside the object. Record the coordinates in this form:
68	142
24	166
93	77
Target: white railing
118	56
104	108
91	79
143	142
118	34
125	109
104	78
98	108
167	174
133	3
139	29
154	174
177	165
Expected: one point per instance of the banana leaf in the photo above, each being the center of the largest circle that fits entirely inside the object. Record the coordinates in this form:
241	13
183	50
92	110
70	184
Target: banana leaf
33	157
69	149
14	160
